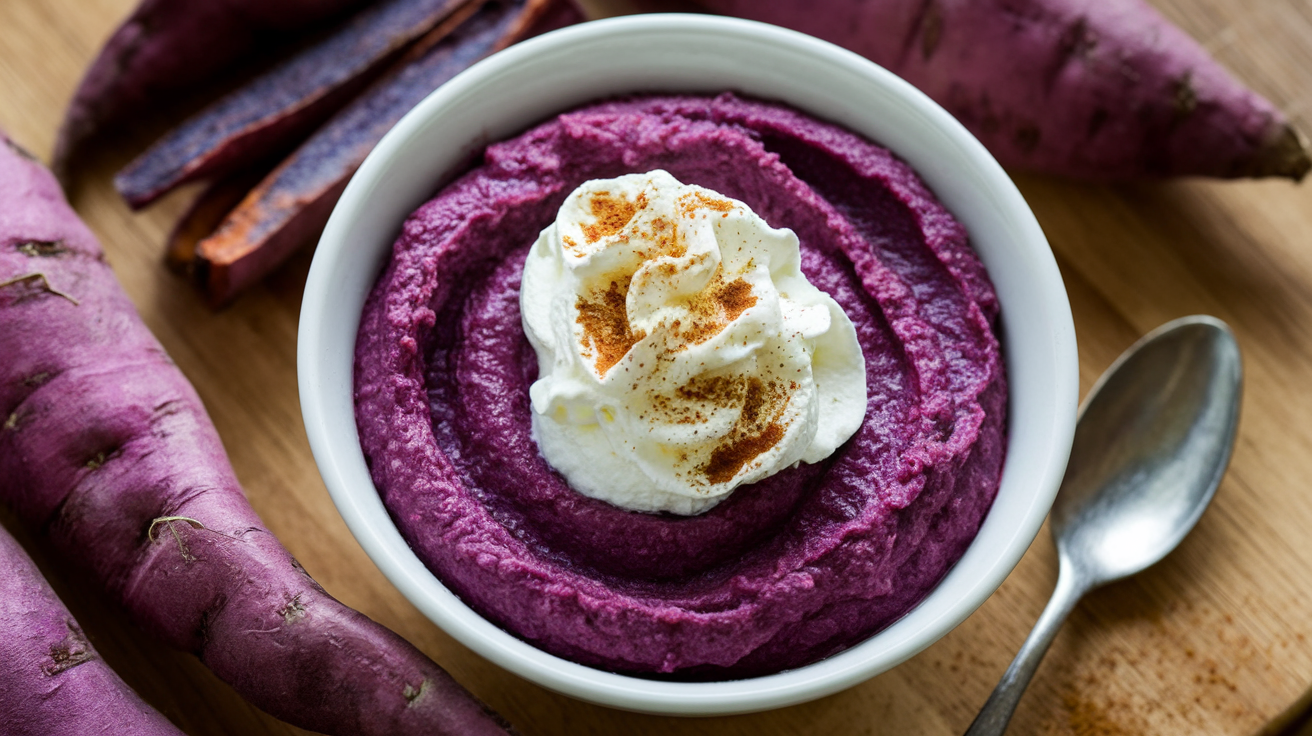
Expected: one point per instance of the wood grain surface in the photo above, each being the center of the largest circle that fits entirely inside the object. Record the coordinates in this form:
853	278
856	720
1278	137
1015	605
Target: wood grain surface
1212	641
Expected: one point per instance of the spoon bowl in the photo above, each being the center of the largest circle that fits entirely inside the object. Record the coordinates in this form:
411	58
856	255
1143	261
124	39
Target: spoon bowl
1151	443
1153	440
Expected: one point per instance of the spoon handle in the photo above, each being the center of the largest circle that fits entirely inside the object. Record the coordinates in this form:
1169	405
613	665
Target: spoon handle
996	713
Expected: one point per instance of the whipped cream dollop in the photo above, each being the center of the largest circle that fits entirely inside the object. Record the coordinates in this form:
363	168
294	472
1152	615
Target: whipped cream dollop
681	352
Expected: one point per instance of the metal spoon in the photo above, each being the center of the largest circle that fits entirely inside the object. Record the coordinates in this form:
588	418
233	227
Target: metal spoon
1153	440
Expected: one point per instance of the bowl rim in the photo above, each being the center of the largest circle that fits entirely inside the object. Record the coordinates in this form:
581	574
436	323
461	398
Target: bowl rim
339	459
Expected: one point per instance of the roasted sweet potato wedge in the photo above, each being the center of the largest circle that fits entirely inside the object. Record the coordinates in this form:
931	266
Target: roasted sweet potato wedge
206	213
279	107
166	45
293	202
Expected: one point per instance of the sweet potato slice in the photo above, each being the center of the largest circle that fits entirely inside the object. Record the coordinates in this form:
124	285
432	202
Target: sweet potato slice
106	448
167	45
277	108
1103	90
292	204
52	681
206	213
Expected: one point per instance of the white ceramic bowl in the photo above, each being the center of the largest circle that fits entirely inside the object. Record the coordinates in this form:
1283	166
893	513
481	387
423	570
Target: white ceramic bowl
530	82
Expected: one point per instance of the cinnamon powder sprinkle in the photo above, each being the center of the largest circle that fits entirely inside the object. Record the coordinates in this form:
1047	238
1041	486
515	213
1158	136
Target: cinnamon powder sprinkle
605	323
753	403
687	404
736	297
715	390
729	458
717	306
749	439
665	236
690	203
603	316
612	214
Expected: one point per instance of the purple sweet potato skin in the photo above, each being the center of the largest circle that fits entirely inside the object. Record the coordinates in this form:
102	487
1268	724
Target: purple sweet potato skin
52	681
294	201
283	104
166	45
1103	90
101	437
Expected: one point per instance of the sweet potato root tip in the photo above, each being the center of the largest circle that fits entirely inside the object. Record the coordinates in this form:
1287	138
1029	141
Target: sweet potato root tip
280	106
167	523
31	279
1106	90
1285	155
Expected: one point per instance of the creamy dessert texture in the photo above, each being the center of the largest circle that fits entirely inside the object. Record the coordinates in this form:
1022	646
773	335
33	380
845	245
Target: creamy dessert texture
681	351
788	568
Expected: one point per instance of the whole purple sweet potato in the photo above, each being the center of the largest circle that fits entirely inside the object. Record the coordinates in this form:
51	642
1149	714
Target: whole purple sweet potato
1102	89
106	448
52	682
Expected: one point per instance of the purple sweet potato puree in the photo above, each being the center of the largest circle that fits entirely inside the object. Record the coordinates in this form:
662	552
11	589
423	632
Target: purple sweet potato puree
786	571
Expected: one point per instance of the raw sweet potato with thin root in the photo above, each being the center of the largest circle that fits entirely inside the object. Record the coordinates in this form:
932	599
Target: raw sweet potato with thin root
52	681
167	45
294	201
279	107
106	448
1102	89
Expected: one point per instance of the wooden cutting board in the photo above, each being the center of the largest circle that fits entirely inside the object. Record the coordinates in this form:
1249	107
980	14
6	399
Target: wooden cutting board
1212	641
